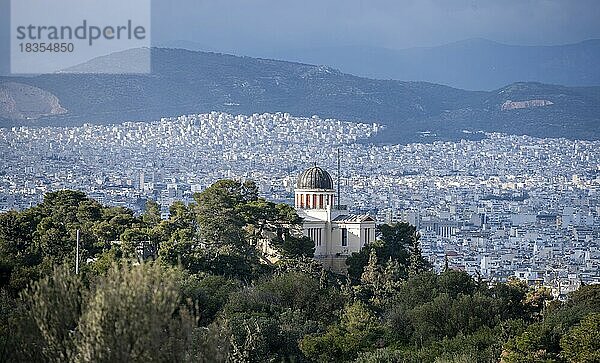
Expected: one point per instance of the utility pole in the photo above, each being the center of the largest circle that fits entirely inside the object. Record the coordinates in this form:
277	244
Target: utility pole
77	256
339	178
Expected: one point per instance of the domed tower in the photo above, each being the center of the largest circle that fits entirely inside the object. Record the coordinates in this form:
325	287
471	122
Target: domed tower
314	189
335	232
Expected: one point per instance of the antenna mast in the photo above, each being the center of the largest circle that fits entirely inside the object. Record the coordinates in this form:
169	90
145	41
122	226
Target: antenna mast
77	255
339	178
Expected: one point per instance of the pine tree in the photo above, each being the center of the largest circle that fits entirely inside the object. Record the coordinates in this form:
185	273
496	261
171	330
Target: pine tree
392	273
392	279
372	272
416	262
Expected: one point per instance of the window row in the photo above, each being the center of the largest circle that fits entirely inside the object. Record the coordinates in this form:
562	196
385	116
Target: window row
316	201
315	235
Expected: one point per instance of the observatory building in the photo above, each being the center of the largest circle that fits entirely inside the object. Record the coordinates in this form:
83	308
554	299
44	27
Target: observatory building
335	232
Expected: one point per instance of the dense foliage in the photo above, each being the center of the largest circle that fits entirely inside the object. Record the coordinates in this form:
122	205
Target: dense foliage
211	295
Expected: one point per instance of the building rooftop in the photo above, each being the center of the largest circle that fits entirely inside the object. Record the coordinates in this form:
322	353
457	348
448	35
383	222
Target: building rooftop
314	178
354	218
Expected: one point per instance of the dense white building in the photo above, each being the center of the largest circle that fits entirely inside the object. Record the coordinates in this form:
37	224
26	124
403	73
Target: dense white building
335	232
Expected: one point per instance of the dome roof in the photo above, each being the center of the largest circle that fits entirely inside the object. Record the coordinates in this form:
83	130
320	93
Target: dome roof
314	178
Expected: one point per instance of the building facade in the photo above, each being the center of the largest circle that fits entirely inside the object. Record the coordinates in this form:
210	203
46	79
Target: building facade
336	233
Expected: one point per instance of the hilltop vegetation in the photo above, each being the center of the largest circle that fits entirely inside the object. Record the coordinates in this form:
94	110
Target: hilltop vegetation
209	296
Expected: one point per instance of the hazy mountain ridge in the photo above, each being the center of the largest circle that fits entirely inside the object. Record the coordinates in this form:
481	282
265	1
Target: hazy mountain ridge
190	82
475	64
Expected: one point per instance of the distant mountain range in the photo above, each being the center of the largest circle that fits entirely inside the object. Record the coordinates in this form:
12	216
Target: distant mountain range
185	81
474	64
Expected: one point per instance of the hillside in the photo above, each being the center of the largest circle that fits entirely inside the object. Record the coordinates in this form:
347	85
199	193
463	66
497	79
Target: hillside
23	102
190	82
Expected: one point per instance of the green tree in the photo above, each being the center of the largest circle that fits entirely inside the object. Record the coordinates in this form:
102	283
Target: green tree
180	239
131	310
114	222
418	290
358	331
371	288
19	255
279	225
89	211
416	263
219	212
543	340
205	296
131	239
232	221
181	215
431	320
395	243
267	320
151	215
372	272
454	282
254	338
582	343
295	246
509	298
539	343
221	220
54	304
180	250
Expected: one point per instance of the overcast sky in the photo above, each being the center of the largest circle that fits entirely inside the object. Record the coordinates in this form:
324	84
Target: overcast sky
248	25
255	26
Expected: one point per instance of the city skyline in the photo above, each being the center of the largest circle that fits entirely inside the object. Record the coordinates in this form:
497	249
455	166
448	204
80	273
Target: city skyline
304	181
535	200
